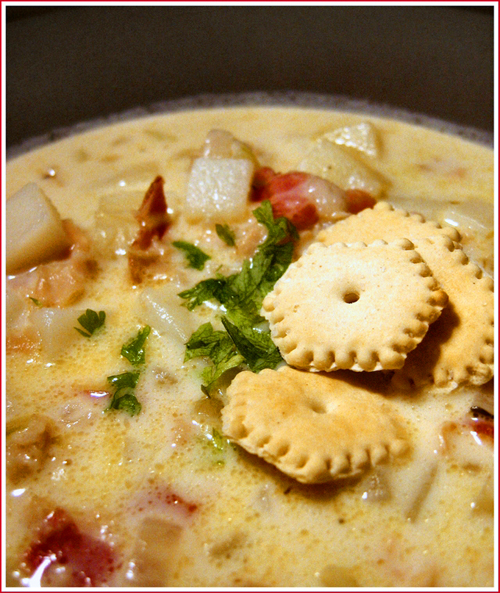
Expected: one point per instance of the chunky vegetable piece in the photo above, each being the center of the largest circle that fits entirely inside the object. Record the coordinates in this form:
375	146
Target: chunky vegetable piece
362	137
56	328
330	161
35	232
218	188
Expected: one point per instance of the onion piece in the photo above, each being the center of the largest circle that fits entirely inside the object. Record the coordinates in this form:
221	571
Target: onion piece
161	308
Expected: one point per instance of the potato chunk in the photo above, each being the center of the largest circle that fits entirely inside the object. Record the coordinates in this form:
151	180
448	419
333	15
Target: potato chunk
218	189
332	162
56	328
35	232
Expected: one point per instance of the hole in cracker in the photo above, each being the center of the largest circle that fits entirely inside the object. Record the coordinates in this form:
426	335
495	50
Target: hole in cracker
351	297
317	406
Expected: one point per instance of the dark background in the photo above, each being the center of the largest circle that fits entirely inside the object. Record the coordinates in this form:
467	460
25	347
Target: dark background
66	65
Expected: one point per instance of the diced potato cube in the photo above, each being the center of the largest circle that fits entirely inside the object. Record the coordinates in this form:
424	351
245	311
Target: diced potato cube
16	309
218	189
223	145
35	232
56	328
362	137
162	309
332	162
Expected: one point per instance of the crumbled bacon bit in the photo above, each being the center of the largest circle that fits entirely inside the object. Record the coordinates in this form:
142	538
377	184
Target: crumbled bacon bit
154	222
152	215
483	427
359	199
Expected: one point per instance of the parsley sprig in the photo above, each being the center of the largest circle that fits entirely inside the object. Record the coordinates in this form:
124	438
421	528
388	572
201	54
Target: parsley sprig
133	350
225	233
195	256
124	397
91	321
244	341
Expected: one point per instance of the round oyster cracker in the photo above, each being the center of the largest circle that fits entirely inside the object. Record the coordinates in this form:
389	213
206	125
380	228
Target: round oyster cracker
357	306
459	347
312	427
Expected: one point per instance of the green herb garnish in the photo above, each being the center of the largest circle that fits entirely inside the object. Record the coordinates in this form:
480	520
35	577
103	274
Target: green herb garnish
123	397
133	350
38	303
196	257
219	348
256	346
241	294
225	234
90	321
246	289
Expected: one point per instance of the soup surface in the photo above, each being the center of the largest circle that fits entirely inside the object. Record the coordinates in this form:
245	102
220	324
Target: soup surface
121	470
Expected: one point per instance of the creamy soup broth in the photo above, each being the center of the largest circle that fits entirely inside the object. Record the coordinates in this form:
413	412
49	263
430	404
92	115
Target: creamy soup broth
162	496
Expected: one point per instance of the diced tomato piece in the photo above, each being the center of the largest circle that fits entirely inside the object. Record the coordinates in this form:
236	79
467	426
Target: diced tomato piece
87	561
359	199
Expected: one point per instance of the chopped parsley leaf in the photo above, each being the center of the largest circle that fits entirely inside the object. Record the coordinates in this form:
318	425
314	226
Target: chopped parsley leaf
38	303
90	321
246	289
133	350
128	403
242	294
256	346
219	348
123	397
225	234
195	256
203	291
124	380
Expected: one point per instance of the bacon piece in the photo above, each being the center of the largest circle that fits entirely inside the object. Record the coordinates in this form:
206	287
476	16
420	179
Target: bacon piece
303	198
154	222
288	196
484	427
152	215
85	561
359	199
